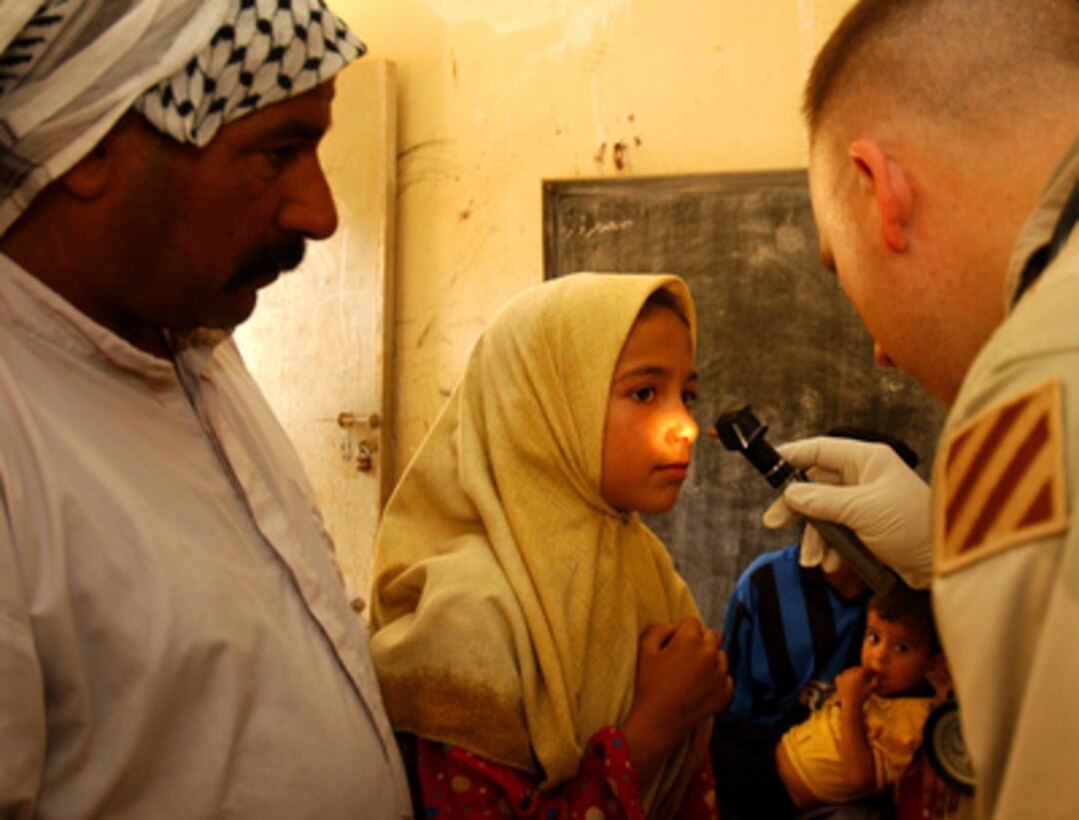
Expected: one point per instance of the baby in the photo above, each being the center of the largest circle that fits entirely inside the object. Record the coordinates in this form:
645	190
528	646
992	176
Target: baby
865	734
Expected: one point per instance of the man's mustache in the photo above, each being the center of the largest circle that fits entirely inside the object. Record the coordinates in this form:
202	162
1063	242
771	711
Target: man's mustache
266	262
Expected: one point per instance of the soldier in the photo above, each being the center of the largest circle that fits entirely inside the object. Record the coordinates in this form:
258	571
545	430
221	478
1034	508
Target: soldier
943	169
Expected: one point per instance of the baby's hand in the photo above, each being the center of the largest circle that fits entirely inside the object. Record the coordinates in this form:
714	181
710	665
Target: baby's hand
855	684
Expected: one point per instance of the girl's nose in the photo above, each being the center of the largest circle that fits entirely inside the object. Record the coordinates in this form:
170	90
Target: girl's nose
684	428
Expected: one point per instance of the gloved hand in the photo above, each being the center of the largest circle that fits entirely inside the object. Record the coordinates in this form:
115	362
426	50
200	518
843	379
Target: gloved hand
879	497
815	552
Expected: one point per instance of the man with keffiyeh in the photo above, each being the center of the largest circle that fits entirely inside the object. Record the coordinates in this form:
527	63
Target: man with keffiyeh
175	640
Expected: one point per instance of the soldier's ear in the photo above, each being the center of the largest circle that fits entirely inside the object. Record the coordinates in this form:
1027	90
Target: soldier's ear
890	188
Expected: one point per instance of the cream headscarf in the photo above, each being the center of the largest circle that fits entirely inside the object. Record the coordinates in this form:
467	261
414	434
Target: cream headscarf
509	596
69	69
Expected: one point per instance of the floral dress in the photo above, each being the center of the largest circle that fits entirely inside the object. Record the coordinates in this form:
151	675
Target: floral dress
455	783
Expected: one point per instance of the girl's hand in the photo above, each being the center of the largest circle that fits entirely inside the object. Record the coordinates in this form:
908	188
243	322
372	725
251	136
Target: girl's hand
682	680
683	672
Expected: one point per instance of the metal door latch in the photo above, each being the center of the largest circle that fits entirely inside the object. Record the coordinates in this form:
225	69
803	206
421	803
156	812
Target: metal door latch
360	451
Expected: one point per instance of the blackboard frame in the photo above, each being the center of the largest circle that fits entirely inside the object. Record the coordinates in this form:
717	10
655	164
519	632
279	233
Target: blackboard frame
774	331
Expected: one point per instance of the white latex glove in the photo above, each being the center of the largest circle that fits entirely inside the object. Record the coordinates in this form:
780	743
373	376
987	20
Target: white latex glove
814	552
883	500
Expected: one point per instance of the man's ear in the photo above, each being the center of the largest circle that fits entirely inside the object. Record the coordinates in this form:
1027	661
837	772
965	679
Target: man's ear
89	177
92	175
891	190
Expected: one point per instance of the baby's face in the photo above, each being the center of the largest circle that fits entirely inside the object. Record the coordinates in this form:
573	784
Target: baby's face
898	655
649	432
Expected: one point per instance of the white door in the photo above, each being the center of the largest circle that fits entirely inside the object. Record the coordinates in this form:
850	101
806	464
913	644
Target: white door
319	342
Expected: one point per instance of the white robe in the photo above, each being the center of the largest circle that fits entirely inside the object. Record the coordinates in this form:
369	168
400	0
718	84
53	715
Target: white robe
175	640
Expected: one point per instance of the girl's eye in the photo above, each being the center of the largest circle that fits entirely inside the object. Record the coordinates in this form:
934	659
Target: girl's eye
901	649
872	637
644	394
689	398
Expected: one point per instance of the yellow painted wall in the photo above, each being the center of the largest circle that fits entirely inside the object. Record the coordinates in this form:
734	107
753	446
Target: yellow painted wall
497	95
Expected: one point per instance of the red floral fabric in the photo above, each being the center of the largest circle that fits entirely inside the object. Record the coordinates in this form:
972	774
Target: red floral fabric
455	783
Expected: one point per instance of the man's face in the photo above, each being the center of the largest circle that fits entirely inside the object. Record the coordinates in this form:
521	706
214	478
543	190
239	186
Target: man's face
204	229
892	292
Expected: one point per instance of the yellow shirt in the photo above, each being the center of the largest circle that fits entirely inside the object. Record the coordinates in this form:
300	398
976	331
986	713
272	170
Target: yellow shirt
893	729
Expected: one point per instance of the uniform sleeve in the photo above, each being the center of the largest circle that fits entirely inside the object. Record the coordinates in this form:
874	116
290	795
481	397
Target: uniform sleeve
22	708
1006	490
455	783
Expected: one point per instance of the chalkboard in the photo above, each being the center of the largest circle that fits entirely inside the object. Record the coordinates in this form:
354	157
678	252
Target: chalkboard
774	331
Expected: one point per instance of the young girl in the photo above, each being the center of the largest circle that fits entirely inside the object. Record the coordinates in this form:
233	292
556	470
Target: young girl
514	580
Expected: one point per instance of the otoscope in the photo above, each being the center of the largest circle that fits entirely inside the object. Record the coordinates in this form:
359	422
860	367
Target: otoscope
740	430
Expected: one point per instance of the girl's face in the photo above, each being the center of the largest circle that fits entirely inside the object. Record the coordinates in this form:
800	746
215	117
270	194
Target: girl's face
649	432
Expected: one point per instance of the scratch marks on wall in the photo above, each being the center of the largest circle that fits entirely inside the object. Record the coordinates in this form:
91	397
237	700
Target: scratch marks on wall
578	21
428	161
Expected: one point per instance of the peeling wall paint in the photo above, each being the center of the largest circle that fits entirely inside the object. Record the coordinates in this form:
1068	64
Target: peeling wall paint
577	20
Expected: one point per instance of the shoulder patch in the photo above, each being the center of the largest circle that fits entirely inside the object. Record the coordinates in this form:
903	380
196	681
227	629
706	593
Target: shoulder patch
1000	479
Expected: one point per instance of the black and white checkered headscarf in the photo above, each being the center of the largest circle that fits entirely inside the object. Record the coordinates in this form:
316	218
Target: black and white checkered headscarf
266	51
69	69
